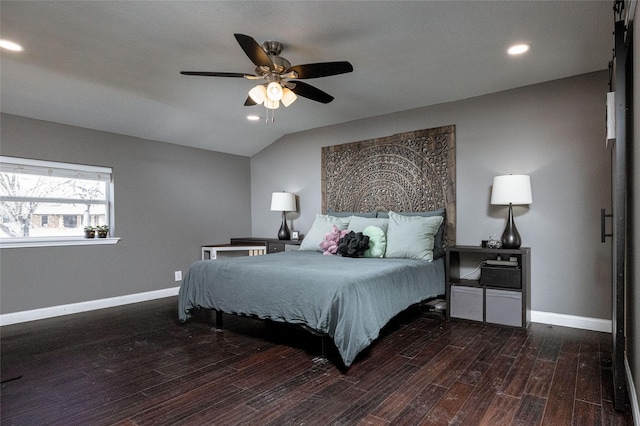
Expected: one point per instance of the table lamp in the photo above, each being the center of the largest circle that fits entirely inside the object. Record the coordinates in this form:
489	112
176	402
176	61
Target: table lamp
283	202
510	190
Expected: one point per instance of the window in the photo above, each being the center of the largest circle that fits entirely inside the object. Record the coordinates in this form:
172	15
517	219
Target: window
46	203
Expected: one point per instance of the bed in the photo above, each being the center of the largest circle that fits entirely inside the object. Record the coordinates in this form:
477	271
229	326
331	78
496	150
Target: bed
348	299
404	187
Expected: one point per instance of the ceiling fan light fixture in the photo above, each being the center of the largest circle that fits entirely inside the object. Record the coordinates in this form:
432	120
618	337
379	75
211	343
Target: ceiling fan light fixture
275	73
288	97
258	94
274	91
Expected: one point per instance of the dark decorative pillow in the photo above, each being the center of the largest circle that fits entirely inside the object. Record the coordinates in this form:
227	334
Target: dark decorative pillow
353	244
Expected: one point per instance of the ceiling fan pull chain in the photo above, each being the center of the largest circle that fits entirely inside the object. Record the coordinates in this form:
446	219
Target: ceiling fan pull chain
273	115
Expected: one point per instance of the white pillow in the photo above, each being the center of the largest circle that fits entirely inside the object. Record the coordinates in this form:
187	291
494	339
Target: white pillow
322	225
411	237
358	224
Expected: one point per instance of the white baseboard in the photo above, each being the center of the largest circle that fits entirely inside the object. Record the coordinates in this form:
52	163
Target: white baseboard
91	305
585	323
633	396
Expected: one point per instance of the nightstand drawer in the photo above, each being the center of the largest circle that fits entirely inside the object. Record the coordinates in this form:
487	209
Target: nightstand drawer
466	302
504	307
275	247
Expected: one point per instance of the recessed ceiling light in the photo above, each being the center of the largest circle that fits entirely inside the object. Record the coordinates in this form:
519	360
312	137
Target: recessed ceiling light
253	117
9	45
518	49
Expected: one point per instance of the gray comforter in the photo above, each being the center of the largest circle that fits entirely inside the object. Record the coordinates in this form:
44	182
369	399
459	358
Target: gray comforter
349	299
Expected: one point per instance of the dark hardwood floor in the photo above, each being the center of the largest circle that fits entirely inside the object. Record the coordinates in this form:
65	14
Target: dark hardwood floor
135	365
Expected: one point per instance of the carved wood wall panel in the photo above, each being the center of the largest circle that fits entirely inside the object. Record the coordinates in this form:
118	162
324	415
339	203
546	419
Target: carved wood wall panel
406	172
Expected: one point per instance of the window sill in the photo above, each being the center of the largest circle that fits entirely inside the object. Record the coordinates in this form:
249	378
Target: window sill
54	242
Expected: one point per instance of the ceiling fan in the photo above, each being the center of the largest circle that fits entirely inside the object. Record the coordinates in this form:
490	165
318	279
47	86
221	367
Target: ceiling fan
280	79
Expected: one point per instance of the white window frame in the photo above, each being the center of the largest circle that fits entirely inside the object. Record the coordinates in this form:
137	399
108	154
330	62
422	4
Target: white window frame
80	171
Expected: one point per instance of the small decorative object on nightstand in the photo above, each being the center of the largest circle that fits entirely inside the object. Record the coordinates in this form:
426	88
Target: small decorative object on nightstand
295	235
283	202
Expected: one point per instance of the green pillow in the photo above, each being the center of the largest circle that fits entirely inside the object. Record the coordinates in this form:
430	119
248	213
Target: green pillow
438	250
322	225
411	237
377	241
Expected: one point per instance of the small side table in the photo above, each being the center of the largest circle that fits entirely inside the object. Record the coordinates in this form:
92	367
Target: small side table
212	252
273	245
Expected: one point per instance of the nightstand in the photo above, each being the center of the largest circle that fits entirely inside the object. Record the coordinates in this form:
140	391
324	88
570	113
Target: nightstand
273	245
502	293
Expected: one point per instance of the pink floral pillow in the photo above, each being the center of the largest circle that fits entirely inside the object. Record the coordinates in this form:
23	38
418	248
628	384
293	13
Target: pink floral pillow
331	241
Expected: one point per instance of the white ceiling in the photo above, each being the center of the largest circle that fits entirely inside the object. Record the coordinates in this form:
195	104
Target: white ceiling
114	65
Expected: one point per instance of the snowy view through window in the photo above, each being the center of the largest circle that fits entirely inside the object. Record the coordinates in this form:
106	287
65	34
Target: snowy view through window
36	203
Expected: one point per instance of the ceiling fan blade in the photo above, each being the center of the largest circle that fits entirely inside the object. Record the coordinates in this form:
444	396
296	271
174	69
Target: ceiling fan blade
308	91
216	74
254	51
321	69
249	102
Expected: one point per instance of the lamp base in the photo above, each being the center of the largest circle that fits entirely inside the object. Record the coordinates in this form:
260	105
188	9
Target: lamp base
283	233
511	236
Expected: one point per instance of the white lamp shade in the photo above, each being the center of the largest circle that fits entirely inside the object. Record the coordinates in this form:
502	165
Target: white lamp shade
258	94
288	97
283	202
274	91
511	189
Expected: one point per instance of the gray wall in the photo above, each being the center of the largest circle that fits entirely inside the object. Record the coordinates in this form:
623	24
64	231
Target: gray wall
553	131
169	200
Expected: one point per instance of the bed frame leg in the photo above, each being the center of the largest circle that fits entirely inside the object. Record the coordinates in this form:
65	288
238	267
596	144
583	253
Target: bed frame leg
219	328
322	359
